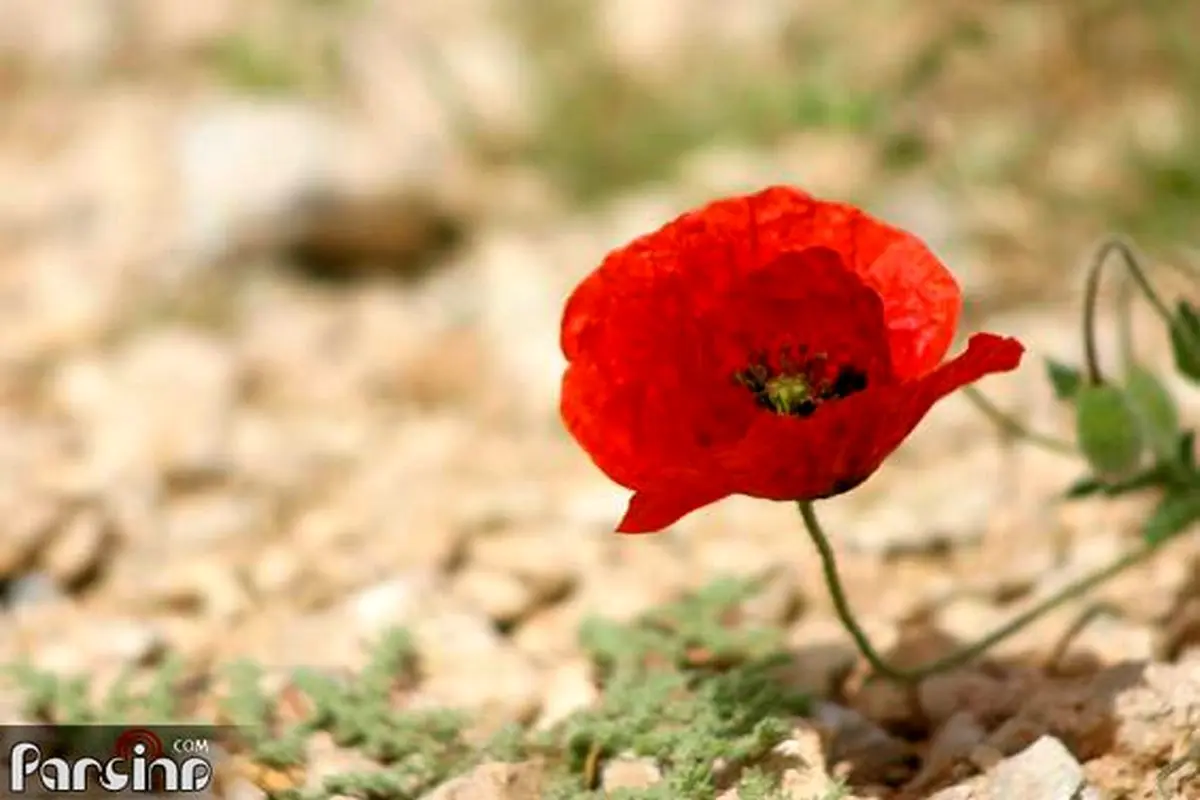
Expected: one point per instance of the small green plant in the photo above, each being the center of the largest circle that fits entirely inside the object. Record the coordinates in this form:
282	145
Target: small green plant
686	684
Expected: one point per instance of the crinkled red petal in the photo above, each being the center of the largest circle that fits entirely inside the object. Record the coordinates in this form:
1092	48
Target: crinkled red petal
671	400
840	446
844	442
664	277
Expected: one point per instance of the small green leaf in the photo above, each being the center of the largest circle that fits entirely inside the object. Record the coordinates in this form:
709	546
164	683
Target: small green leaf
1065	379
1155	408
1108	431
1185	340
1175	512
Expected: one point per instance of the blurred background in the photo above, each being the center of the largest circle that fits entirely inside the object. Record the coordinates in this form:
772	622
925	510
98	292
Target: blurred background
280	285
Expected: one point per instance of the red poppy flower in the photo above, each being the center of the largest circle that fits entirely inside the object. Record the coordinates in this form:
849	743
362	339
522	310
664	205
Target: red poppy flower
771	345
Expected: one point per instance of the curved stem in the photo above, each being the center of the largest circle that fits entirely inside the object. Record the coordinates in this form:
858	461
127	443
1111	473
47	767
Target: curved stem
1012	425
970	651
1092	289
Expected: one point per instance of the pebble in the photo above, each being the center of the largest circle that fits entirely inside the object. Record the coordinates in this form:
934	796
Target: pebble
504	597
77	548
630	774
494	781
1045	769
569	687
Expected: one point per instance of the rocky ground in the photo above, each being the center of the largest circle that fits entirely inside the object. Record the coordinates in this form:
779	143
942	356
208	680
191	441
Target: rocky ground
281	284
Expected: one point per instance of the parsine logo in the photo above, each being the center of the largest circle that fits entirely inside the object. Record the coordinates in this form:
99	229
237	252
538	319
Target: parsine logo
137	764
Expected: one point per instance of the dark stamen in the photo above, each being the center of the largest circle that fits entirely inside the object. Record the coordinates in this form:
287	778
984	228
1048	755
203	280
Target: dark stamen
798	385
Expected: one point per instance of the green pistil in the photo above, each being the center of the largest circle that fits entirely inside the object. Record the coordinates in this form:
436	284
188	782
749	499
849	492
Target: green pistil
788	393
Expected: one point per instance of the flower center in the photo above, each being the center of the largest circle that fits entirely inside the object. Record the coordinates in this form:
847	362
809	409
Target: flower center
798	388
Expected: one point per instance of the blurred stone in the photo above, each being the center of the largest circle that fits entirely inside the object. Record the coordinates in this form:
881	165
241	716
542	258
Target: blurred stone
77	549
629	774
447	637
395	602
1108	641
1044	769
776	604
32	589
542	562
569	687
499	688
204	586
822	656
97	643
947	503
164	28
29	521
494	781
222	141
502	596
73	46
801	759
523	306
551	633
214	517
164	402
277	570
335	236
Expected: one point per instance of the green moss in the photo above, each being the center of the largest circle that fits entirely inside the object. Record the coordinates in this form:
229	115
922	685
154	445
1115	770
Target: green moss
685	684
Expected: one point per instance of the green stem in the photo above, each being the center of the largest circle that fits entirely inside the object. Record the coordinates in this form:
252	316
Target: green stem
1091	293
967	653
1012	425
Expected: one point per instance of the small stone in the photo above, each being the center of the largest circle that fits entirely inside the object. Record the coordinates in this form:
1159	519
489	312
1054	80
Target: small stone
570	687
500	595
500	688
776	603
542	562
209	518
551	633
1045	769
77	548
629	773
1107	641
391	603
209	587
277	570
101	644
960	792
28	523
822	656
33	589
450	637
494	781
800	759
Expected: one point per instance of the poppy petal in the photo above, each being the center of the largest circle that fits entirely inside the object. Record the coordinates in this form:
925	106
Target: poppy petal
650	510
986	354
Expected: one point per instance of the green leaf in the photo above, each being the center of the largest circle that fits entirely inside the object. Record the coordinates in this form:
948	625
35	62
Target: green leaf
1185	340
1177	511
1156	410
1108	431
1065	379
